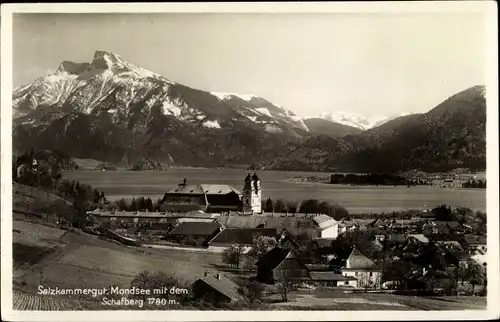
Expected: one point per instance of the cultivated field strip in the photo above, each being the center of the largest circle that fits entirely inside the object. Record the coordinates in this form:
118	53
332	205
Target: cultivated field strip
27	302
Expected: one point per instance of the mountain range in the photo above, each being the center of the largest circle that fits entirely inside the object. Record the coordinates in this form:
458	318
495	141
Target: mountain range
114	111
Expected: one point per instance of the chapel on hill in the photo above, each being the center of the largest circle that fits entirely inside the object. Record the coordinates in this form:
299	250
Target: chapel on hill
215	198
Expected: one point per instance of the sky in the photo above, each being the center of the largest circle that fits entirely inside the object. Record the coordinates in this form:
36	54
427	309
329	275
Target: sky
371	64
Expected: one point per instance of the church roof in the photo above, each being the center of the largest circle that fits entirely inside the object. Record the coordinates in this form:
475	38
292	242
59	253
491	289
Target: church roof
201	189
248	178
220	189
187	189
255	176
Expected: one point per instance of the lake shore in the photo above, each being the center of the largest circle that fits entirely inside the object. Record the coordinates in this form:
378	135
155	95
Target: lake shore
356	199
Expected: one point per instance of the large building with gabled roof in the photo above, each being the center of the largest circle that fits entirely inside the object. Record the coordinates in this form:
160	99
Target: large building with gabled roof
366	272
211	198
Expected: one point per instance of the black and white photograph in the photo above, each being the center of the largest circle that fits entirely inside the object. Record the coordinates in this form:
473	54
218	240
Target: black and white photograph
250	161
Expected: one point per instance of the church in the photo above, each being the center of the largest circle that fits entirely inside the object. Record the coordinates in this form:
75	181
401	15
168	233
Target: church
215	198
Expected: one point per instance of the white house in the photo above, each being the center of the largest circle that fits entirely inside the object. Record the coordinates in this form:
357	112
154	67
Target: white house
329	227
363	269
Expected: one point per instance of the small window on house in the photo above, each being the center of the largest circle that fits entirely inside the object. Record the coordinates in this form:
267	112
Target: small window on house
346	282
371	274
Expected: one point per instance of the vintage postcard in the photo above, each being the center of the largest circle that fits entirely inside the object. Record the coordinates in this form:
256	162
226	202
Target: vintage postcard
249	161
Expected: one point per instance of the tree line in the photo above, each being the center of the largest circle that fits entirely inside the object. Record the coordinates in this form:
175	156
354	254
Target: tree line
374	179
137	204
474	184
45	174
309	206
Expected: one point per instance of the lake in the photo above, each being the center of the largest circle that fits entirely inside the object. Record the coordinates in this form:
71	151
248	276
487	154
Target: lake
356	199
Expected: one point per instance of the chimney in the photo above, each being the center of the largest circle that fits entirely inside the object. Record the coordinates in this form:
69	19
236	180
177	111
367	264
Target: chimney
206	273
218	276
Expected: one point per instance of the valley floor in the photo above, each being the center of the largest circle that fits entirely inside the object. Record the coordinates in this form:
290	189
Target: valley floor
53	257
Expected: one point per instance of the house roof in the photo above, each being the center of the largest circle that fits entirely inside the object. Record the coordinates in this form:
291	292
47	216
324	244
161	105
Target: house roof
222	285
461	256
195	228
397	238
420	237
357	260
330	276
475	240
451	224
294	225
324	242
324	221
273	258
241	236
195	219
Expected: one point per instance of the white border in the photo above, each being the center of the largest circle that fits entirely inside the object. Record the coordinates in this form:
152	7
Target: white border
486	7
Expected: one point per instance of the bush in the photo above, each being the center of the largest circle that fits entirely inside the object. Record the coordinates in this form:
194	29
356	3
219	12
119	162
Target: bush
251	291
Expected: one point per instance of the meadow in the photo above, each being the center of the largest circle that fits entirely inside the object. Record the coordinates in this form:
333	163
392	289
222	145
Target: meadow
276	184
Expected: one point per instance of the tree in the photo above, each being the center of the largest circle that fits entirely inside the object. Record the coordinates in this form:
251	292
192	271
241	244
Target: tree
251	290
292	207
232	255
286	283
133	205
280	206
159	281
476	275
261	245
462	272
269	206
309	206
443	213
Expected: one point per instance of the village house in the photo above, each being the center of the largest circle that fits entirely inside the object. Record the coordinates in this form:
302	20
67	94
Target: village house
365	271
323	247
195	233
143	218
216	288
347	225
300	225
330	279
424	279
329	227
280	264
474	244
238	236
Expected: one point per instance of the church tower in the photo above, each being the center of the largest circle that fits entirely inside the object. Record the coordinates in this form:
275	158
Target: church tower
252	195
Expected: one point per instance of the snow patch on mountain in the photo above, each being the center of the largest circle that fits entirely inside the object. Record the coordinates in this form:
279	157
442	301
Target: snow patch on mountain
212	124
264	111
171	109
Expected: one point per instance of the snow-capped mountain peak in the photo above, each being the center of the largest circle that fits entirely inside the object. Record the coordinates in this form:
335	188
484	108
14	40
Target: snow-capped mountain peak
113	87
224	96
357	120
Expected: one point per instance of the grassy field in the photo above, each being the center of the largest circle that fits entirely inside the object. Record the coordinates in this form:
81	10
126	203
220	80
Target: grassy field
74	259
357	199
336	299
